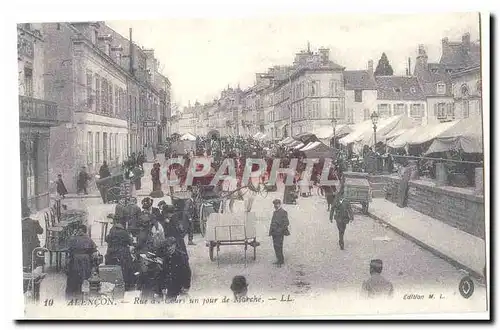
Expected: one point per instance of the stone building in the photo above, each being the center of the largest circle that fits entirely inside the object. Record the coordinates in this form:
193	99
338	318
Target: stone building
109	104
398	95
36	117
360	94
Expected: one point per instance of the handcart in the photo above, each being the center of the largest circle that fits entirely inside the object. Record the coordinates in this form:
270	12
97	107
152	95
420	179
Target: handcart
231	229
358	191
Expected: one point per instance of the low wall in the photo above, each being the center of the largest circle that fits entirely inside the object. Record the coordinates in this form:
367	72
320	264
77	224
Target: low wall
458	207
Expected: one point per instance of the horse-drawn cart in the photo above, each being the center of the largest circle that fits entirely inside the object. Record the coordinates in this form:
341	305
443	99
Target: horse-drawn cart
231	229
357	190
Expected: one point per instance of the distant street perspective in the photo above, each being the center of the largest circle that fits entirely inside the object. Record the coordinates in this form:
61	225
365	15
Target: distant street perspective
314	180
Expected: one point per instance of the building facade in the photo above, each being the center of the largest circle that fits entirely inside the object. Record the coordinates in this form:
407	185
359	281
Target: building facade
398	95
360	94
109	104
36	117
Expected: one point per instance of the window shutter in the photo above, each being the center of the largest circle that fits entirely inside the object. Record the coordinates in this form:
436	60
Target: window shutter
422	111
435	110
406	110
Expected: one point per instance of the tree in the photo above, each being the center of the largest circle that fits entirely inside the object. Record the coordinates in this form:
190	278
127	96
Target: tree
383	67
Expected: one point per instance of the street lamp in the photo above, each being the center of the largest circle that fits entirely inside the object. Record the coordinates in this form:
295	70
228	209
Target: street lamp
374	118
334	125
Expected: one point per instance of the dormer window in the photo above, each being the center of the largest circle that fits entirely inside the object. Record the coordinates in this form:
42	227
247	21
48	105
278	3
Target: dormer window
441	88
464	90
413	90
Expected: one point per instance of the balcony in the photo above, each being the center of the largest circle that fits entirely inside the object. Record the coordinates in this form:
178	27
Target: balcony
37	112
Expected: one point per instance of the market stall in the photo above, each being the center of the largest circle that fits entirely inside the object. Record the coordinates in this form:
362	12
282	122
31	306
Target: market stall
466	135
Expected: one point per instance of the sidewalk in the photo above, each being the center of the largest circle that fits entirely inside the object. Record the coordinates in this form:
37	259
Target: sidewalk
459	248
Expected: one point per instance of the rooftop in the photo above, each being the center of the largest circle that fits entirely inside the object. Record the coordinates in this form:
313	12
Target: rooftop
398	88
359	79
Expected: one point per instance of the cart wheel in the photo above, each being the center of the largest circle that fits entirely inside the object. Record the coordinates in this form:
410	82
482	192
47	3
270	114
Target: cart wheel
364	208
211	252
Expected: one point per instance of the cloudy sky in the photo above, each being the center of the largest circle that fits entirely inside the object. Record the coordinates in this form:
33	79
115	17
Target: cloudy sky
203	56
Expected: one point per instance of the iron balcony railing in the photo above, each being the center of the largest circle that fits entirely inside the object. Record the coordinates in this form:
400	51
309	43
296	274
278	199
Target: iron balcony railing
37	111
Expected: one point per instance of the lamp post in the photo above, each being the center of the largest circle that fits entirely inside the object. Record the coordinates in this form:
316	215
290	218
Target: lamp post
334	126
374	118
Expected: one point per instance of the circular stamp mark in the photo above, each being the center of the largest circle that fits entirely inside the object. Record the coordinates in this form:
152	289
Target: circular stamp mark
466	287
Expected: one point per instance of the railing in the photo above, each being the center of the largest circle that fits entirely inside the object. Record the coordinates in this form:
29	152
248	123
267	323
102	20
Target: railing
36	110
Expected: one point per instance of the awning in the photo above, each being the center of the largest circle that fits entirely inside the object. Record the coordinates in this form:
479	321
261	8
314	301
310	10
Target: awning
466	135
298	146
287	140
188	137
257	135
364	135
420	134
310	146
281	126
320	150
294	143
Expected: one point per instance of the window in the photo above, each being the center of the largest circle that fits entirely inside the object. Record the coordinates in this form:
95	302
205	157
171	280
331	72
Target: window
98	101
90	100
465	109
478	87
358	96
397	89
90	148
116	146
110	99
315	109
416	110
440	110
334	87
366	114
116	109
464	90
28	82
384	110
399	109
104	146
97	148
441	89
336	109
314	88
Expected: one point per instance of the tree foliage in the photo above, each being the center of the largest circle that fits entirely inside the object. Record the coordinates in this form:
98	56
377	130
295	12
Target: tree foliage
383	67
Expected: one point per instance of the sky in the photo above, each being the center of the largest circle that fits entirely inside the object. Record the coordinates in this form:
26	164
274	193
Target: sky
201	57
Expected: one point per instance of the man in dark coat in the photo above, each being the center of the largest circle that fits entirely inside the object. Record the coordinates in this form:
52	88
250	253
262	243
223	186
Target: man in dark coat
144	224
83	179
60	187
30	231
131	216
342	212
176	271
278	230
104	170
81	249
118	252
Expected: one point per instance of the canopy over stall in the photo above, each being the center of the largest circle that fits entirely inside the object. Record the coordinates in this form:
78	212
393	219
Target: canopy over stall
319	150
419	135
306	137
388	126
188	137
286	141
466	135
257	135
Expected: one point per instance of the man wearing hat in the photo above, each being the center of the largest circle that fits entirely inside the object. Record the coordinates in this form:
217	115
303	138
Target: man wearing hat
239	286
377	286
30	231
278	230
176	271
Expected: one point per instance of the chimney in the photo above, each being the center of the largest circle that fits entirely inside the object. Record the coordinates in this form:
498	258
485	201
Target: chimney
409	66
466	42
325	54
131	52
370	67
445	47
422	56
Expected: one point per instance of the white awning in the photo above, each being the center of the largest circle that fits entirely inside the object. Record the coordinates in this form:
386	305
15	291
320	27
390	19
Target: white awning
298	146
188	137
257	135
311	146
420	134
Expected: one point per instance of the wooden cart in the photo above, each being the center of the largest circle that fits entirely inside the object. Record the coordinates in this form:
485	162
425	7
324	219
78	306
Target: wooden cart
231	229
357	190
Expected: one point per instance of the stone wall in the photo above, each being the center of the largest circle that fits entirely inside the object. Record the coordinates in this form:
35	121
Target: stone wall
457	207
